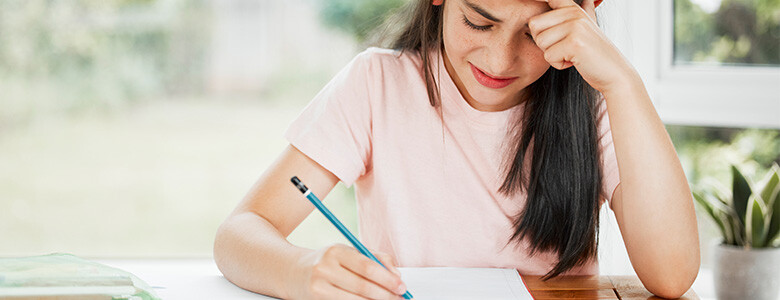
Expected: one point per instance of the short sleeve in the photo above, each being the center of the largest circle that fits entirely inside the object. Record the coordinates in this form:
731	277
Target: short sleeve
609	166
334	129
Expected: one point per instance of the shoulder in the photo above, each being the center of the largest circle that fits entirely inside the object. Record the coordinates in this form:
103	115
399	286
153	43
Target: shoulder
387	80
382	60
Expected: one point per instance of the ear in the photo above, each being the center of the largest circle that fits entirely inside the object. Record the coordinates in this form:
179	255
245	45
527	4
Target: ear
438	2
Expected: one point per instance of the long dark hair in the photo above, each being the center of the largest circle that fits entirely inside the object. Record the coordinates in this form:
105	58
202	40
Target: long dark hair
558	130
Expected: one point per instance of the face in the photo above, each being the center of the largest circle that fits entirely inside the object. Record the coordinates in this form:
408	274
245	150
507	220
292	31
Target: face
489	51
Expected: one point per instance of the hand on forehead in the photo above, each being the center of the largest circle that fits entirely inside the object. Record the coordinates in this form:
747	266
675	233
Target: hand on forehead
553	3
561	3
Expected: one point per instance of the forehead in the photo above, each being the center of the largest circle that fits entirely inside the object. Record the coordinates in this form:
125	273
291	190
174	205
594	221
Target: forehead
507	10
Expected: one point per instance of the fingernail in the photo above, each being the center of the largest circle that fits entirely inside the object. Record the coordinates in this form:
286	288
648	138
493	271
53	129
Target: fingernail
401	289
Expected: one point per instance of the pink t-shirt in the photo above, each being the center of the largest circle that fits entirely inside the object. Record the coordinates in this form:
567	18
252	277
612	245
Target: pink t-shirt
427	189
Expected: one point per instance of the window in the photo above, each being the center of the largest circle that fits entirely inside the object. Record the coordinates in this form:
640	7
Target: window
727	33
133	128
714	82
704	78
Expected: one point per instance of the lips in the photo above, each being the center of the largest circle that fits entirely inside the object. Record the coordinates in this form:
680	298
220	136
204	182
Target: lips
490	81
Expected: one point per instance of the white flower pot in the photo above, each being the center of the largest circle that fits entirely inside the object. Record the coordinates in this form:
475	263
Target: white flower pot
747	274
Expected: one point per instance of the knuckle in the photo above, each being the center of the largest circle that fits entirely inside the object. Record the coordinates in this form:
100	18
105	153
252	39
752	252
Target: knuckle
578	45
319	270
581	25
386	258
547	56
317	289
332	250
367	268
576	12
363	288
372	291
533	25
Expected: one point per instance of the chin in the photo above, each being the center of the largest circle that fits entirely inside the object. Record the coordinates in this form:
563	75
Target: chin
493	97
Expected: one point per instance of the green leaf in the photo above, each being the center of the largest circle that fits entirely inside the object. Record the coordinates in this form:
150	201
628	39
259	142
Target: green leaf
717	189
726	228
741	192
757	225
703	203
769	184
736	228
774	208
717	215
732	229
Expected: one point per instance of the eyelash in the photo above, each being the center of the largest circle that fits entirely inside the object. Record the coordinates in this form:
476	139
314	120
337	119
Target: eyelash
475	27
485	27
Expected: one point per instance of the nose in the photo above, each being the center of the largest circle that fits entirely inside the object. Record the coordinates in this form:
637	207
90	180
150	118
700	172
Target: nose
502	55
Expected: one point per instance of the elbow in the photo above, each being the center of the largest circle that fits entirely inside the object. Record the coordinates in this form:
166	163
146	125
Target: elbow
673	283
671	290
222	246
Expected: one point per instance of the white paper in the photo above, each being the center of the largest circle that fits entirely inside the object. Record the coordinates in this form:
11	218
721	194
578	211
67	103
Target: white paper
175	279
464	283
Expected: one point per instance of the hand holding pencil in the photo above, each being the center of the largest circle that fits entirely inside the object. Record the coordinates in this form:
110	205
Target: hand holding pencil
342	272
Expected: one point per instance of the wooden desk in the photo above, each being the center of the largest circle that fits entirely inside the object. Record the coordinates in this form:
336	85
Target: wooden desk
592	287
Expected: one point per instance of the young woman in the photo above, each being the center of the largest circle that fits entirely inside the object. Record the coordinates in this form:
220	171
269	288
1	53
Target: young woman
488	136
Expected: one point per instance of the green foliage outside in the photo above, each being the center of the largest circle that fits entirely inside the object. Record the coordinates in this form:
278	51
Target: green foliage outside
709	152
719	163
748	212
739	32
71	55
358	17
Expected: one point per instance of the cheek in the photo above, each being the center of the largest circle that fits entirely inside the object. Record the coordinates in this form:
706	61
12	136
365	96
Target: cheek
535	63
457	42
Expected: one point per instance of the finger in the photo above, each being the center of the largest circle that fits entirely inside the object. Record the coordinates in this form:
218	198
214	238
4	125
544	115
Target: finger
542	22
560	55
389	262
328	291
556	4
369	269
553	35
354	283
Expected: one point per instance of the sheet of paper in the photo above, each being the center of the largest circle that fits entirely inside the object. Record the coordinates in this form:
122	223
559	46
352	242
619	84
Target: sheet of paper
464	284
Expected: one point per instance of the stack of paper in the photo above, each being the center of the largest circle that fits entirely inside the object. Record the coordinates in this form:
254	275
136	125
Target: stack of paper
64	276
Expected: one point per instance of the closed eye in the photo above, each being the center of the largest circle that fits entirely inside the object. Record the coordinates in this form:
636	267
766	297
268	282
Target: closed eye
474	26
487	27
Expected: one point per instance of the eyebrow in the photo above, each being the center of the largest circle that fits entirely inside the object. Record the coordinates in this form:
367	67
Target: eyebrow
486	14
482	12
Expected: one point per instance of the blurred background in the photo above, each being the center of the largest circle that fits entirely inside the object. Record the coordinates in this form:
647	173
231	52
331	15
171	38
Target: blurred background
131	128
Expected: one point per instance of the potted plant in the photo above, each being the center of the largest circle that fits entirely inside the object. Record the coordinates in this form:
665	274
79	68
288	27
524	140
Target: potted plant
747	262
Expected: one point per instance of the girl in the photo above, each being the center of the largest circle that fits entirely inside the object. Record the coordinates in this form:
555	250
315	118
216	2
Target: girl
488	137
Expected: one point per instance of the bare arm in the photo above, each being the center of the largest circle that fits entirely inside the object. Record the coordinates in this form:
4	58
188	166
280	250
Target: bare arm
252	251
653	203
251	248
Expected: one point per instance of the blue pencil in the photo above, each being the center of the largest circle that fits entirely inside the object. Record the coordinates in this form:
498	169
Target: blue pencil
325	211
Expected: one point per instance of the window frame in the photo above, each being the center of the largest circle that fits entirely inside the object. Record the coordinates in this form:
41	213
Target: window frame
697	95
